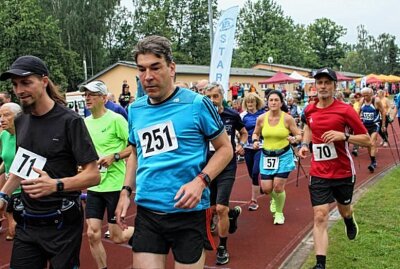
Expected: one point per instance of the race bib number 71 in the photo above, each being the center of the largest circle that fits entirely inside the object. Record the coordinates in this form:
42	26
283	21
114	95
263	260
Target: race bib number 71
23	163
157	139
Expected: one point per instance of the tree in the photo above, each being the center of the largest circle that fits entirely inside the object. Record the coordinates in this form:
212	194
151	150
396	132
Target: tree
26	31
323	37
264	31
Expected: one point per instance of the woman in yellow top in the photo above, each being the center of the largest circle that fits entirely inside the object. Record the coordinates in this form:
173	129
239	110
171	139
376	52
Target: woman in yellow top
278	130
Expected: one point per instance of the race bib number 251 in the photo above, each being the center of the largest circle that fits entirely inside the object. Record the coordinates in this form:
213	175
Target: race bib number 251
157	139
23	163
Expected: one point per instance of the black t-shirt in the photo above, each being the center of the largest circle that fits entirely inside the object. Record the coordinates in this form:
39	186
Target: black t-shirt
124	99
232	123
60	136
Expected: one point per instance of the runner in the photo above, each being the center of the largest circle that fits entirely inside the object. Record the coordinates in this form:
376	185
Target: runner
332	169
169	130
49	135
278	129
221	187
372	113
8	112
254	107
109	132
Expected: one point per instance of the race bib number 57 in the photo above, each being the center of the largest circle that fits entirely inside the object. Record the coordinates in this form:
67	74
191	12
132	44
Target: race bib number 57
23	163
157	139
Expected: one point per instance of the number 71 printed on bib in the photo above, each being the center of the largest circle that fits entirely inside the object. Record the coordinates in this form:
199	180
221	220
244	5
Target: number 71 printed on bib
24	162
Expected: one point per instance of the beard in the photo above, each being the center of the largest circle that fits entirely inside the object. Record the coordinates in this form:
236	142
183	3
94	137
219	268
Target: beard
27	108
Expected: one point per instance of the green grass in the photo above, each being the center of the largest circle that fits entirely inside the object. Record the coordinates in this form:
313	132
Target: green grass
378	243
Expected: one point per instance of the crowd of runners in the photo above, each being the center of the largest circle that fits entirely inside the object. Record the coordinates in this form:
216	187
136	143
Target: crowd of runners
176	150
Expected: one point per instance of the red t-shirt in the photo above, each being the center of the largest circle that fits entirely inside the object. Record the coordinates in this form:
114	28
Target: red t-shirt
234	90
332	161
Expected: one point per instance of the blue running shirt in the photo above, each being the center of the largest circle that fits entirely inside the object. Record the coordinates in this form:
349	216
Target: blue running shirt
171	140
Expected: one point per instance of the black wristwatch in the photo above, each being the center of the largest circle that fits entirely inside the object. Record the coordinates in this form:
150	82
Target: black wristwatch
4	197
60	185
117	157
128	189
206	178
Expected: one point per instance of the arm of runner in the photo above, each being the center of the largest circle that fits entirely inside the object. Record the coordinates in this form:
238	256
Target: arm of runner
242	140
304	150
124	197
45	185
189	195
257	132
294	130
106	161
382	110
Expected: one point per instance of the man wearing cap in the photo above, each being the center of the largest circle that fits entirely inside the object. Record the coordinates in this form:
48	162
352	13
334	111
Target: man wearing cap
328	122
109	132
51	136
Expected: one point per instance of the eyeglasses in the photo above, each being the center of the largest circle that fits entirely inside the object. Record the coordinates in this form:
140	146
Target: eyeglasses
90	94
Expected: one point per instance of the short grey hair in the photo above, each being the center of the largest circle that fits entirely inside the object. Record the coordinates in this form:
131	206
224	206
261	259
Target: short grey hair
213	85
366	90
14	108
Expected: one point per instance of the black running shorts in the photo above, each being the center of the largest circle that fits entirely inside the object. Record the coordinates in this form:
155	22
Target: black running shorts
187	234
325	191
98	202
221	187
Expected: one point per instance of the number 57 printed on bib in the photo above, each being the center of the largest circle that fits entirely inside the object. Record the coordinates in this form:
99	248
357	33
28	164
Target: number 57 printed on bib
24	162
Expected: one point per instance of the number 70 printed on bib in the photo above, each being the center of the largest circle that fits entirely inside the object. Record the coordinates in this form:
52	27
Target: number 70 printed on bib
24	162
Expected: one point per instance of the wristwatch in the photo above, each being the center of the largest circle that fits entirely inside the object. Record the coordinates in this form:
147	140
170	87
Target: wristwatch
206	178
117	157
128	189
60	185
241	143
4	197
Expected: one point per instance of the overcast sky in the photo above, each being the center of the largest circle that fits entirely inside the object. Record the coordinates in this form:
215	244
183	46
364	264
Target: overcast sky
378	16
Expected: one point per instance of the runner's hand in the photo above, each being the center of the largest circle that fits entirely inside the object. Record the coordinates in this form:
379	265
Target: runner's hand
39	187
106	161
303	152
189	195
122	209
331	136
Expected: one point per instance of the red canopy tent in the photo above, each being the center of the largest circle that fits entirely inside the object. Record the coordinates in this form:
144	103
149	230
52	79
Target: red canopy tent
280	78
341	77
373	79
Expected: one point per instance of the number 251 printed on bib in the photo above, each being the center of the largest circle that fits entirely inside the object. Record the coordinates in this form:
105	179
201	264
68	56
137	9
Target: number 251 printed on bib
158	138
24	162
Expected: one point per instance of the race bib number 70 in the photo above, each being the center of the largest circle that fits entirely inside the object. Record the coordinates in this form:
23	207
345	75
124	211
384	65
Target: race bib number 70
23	163
157	139
324	152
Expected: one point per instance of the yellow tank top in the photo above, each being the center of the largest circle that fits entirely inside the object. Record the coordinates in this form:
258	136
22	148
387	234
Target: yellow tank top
275	137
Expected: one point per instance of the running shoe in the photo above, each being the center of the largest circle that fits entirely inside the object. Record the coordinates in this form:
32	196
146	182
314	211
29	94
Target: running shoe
233	217
351	228
222	256
279	218
107	234
318	266
355	152
385	144
253	205
272	206
372	167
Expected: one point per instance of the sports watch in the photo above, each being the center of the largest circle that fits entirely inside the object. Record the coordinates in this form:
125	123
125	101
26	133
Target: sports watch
117	157
60	185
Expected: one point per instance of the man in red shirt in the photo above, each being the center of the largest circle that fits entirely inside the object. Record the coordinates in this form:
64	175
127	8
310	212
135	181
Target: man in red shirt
235	90
328	123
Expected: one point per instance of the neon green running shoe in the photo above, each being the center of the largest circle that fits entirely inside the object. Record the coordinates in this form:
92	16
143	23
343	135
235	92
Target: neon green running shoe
351	227
279	218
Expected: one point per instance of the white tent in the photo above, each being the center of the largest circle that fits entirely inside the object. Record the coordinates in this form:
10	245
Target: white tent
304	79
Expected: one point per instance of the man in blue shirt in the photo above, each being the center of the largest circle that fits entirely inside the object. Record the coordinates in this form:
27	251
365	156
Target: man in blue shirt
169	131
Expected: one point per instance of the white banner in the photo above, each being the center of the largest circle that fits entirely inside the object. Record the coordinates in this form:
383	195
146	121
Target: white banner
224	40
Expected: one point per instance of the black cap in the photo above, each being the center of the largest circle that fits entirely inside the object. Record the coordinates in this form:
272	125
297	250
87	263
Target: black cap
25	66
325	72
